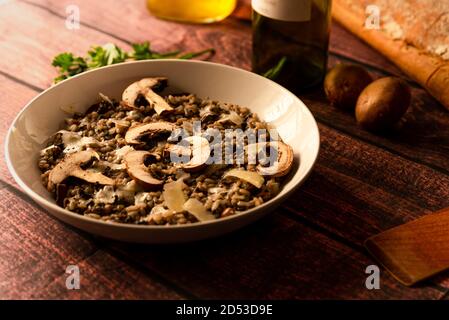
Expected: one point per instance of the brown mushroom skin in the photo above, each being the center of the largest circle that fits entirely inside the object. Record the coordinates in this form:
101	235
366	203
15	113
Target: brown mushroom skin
284	160
138	171
147	88
199	157
382	104
343	85
137	132
70	166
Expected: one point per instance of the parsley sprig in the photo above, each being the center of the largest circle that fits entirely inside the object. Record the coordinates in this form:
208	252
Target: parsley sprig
69	65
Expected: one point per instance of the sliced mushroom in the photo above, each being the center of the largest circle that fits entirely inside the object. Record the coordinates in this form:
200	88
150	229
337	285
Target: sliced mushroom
283	163
136	133
70	166
200	153
135	165
145	88
120	125
232	118
209	113
199	149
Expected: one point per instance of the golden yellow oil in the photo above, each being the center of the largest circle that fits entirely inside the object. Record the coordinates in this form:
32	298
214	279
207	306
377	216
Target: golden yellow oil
197	11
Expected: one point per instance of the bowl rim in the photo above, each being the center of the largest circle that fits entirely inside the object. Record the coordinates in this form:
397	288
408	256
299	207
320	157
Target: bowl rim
39	199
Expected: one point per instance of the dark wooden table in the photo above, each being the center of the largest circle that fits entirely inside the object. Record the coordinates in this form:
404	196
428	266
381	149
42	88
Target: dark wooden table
309	248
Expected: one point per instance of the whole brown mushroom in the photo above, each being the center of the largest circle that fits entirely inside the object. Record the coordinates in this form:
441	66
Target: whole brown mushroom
343	85
382	104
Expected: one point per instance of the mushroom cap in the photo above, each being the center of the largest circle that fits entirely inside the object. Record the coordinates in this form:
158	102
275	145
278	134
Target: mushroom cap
135	133
284	160
70	166
135	165
199	149
147	87
200	153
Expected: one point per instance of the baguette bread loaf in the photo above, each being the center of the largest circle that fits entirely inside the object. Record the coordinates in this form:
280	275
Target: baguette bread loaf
414	34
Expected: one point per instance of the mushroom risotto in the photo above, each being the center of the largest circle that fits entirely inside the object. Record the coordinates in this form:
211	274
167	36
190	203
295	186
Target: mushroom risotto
159	160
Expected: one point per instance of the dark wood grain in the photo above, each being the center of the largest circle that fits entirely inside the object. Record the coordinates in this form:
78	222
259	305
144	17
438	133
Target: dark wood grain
276	258
367	188
103	276
36	249
45	249
422	136
13	96
310	248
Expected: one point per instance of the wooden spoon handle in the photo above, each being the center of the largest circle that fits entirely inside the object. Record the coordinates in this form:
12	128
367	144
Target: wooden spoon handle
416	250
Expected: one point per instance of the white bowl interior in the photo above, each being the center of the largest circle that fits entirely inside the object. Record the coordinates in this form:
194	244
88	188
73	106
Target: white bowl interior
45	114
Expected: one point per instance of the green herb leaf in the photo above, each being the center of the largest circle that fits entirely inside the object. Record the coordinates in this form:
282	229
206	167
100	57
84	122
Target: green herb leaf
192	55
68	65
274	72
105	55
167	55
142	51
99	56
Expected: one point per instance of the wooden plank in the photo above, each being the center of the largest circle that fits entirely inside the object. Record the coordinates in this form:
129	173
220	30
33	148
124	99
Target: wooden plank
348	190
62	43
27	52
36	250
338	194
276	258
13	96
103	276
422	136
366	187
369	206
341	41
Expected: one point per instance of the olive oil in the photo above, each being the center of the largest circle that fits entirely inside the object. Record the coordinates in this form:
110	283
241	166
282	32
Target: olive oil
197	11
290	41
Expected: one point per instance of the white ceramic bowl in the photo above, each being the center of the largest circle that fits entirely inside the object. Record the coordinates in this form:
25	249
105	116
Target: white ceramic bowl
44	115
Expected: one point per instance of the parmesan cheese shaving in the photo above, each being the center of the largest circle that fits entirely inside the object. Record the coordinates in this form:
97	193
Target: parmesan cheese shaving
105	195
249	176
174	196
73	142
196	208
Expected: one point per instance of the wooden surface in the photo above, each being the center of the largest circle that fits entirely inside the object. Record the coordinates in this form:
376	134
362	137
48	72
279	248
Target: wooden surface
310	247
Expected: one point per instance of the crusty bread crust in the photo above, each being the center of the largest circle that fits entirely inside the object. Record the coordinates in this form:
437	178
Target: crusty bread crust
422	64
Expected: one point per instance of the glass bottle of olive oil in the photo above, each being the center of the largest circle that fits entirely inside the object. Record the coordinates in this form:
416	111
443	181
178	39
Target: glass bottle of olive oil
197	11
290	41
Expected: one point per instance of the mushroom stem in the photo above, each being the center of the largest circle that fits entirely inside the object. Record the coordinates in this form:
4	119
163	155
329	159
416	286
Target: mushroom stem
145	88
199	149
135	165
283	162
70	166
137	132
